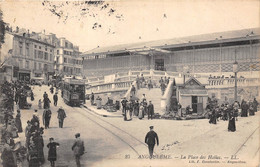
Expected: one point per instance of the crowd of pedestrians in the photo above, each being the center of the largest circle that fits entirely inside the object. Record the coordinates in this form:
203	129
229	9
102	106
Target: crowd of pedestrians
133	107
141	82
14	95
230	112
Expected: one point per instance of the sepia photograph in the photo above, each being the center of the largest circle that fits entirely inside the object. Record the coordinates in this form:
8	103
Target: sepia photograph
129	83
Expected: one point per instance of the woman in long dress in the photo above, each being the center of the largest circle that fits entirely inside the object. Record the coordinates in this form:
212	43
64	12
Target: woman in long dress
18	122
232	122
52	154
141	112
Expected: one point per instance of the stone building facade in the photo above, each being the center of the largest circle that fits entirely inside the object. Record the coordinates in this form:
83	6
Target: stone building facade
28	54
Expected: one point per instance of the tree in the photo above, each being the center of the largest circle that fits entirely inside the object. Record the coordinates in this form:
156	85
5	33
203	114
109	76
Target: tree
2	29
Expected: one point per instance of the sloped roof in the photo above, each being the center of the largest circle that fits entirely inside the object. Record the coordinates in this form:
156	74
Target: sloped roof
253	32
179	80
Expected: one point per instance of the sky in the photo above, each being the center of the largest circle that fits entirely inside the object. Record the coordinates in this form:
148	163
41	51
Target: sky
130	21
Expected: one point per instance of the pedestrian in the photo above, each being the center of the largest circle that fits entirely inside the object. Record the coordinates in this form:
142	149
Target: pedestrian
7	157
61	116
244	109
150	138
46	118
143	98
150	110
163	87
251	109
40	104
52	153
150	84
161	81
124	103
132	92
11	129
18	122
213	117
142	80
255	104
136	107
92	98
33	155
51	89
144	103
137	82
28	133
55	99
231	123
32	96
46	103
45	95
39	145
141	112
78	148
99	102
236	106
128	111
35	118
16	97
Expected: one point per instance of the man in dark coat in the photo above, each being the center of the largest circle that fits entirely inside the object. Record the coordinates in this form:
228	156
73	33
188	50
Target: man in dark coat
244	108
45	95
61	116
124	102
55	99
255	104
150	109
150	138
78	148
46	118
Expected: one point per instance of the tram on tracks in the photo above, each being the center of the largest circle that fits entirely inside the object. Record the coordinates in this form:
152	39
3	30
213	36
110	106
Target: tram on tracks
73	91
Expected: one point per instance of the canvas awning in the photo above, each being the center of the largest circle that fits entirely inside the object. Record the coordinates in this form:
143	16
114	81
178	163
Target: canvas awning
193	92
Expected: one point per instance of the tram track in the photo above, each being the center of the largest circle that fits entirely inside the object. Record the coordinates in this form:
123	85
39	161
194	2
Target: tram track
247	139
136	145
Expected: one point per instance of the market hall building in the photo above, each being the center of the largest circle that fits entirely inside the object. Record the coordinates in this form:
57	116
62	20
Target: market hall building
207	53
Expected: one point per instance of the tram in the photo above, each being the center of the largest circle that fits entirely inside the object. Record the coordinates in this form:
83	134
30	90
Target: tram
73	91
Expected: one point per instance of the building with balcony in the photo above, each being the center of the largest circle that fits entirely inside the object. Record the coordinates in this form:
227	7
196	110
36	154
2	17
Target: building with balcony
67	58
28	54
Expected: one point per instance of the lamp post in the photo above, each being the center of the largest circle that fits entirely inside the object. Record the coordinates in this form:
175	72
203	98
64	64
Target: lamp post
235	70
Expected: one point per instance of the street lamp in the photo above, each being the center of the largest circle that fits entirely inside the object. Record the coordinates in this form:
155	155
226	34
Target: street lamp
235	70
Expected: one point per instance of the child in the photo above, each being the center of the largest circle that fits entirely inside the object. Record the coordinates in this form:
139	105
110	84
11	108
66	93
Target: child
40	104
52	154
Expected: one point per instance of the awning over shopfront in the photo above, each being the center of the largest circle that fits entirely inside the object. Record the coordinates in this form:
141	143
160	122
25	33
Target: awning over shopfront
24	71
193	92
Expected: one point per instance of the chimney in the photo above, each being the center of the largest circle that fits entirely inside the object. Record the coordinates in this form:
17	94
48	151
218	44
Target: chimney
17	29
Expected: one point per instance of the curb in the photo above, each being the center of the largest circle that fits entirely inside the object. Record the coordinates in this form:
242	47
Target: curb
103	115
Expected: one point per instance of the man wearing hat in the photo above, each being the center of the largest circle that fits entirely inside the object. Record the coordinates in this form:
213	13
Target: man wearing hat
61	116
78	148
150	140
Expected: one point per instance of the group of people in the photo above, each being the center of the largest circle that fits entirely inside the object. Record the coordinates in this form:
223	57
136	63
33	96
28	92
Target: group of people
14	154
136	108
13	151
163	83
230	112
